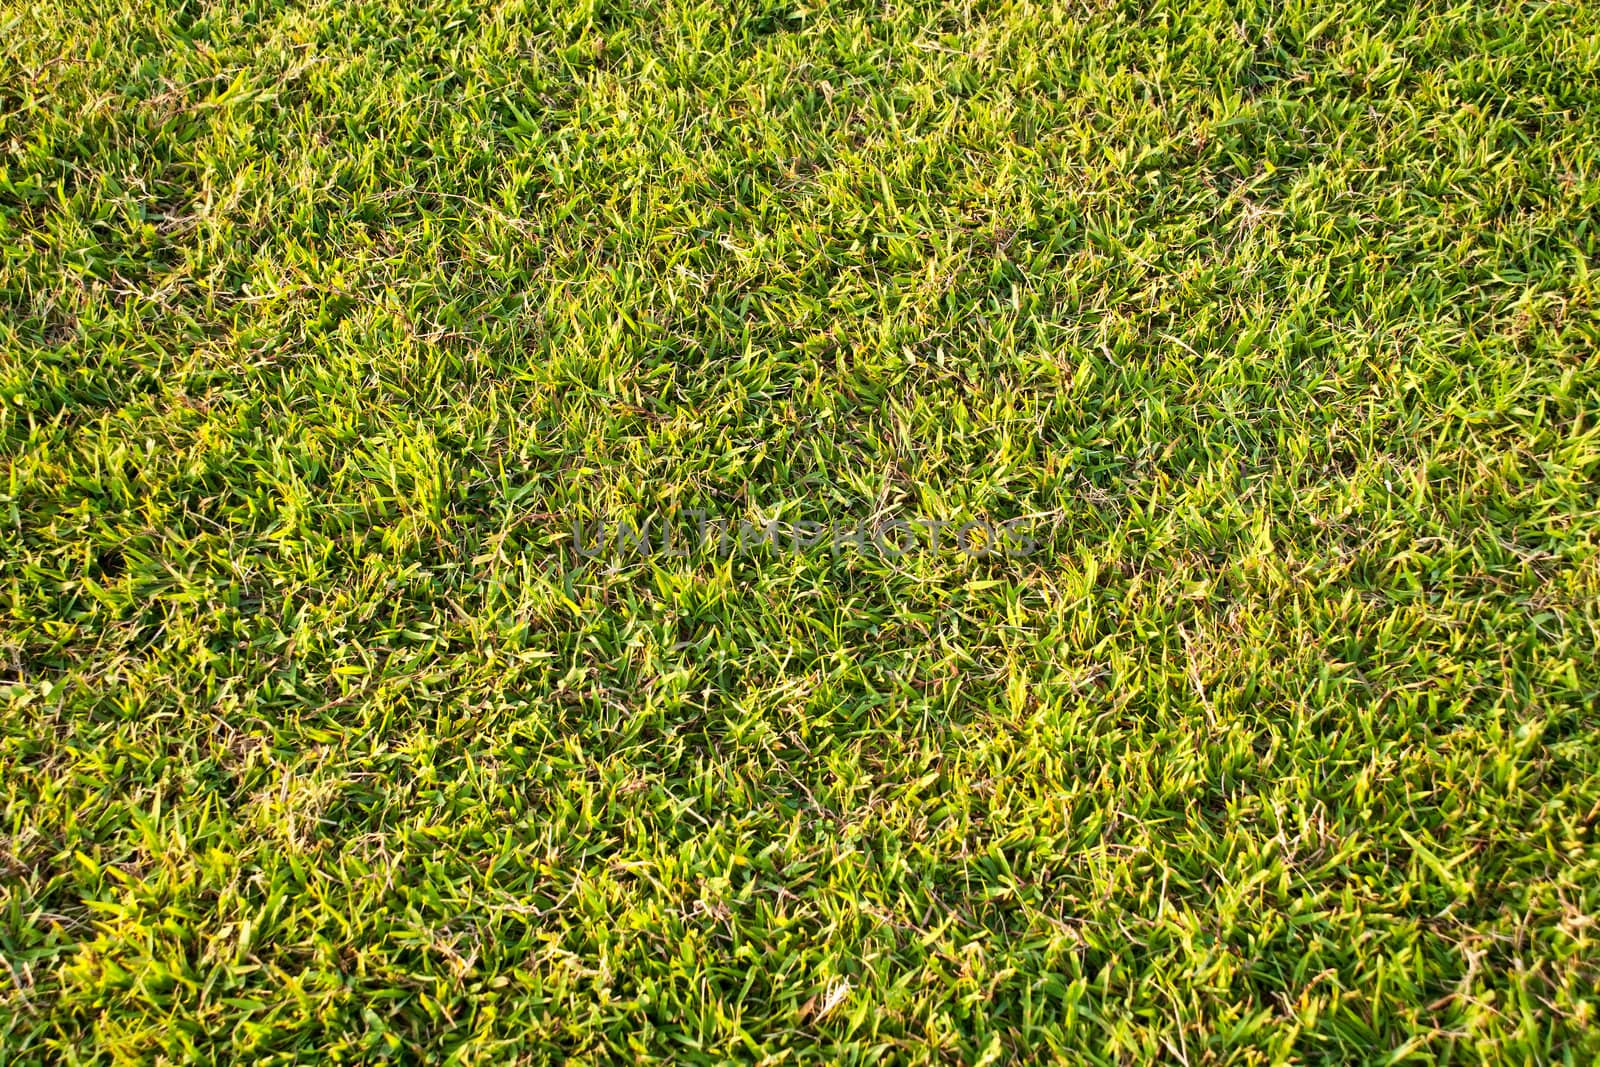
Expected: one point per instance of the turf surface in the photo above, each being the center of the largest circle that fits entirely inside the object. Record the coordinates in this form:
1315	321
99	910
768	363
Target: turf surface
320	324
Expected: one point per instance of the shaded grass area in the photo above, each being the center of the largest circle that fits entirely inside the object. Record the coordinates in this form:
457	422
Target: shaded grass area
321	323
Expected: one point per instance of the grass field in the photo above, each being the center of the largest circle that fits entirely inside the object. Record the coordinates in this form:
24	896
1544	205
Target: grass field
322	324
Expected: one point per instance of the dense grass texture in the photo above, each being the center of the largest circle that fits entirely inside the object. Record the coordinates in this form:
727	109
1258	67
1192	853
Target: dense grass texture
321	323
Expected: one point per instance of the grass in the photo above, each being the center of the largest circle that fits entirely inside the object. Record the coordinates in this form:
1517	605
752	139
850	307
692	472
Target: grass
321	323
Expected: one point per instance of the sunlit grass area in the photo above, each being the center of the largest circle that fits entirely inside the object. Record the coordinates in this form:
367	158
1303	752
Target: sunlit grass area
1273	327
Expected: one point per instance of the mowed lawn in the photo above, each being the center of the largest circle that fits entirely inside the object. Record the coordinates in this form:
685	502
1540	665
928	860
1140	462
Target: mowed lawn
322	324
